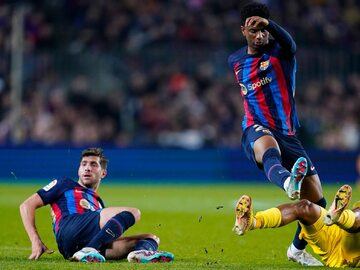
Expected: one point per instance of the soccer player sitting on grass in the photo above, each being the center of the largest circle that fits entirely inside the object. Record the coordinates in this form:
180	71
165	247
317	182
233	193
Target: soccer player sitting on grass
85	230
334	234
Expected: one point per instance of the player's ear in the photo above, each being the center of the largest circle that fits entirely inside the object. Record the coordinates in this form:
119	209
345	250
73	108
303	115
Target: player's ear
104	173
242	28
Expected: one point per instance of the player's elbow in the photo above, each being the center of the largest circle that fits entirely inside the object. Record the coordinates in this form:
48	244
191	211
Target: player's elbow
31	204
23	208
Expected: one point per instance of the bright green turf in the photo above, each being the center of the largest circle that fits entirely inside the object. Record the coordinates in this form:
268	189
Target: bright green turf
193	221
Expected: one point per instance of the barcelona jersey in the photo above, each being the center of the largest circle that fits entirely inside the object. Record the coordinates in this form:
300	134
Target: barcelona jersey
67	197
267	82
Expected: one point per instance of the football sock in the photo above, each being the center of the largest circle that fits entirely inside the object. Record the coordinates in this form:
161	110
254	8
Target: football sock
270	218
274	171
322	202
346	219
113	229
147	244
300	244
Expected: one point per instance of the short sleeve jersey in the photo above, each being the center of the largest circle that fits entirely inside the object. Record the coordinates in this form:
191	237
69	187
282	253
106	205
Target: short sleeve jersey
67	197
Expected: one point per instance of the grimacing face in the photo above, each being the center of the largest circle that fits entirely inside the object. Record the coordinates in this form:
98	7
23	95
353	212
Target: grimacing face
256	37
90	172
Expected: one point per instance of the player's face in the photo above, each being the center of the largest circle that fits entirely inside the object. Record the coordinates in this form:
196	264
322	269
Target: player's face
256	37
90	172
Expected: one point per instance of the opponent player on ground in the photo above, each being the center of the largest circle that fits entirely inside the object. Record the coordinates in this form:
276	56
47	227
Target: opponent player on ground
338	243
265	70
85	231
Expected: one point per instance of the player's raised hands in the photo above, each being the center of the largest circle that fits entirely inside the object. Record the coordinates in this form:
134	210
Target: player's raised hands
256	21
37	249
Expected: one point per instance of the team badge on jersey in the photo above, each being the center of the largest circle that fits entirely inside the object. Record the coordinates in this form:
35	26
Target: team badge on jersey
50	185
243	89
85	204
264	65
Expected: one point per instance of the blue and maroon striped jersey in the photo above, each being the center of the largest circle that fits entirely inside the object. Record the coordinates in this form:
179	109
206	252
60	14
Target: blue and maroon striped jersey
67	197
267	82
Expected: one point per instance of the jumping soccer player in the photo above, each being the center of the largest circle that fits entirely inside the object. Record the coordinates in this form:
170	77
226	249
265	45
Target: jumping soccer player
334	234
85	230
265	71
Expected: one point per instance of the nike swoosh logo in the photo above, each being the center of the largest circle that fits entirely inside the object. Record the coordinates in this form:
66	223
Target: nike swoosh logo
78	191
312	168
108	231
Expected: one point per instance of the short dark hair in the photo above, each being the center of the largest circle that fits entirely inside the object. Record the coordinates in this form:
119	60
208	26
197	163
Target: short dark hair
98	152
254	9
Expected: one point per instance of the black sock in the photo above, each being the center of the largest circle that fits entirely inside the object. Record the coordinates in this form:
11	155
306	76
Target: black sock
273	169
112	230
147	244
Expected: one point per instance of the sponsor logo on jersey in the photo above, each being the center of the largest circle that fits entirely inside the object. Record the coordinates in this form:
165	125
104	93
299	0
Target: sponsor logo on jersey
259	83
264	65
243	89
50	185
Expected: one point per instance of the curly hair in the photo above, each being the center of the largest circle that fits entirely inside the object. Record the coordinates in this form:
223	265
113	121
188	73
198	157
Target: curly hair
98	152
254	9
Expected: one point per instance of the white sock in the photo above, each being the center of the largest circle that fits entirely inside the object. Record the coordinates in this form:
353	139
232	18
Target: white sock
286	183
295	250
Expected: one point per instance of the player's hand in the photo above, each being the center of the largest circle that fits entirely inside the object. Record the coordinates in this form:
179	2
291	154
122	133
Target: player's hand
256	21
37	249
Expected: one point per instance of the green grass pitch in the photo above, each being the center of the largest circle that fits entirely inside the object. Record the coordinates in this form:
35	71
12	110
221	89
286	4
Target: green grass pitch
193	221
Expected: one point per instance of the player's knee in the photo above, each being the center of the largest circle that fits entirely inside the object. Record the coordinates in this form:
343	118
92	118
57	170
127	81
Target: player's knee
136	213
303	207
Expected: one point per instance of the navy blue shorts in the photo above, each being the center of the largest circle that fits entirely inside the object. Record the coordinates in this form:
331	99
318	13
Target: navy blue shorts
290	147
76	231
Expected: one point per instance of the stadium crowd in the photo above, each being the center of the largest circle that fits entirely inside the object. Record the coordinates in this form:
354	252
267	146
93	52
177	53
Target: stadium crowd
174	102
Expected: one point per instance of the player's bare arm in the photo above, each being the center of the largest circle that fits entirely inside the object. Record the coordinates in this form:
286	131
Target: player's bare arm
27	212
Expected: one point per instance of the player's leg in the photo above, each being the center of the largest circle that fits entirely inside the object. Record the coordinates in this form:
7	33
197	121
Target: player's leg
262	148
75	232
113	222
138	248
304	211
338	214
311	190
108	213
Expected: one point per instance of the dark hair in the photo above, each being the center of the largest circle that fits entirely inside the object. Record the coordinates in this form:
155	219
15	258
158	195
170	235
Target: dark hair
254	9
98	152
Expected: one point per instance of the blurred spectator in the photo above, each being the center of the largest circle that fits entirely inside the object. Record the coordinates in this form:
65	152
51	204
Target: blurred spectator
134	73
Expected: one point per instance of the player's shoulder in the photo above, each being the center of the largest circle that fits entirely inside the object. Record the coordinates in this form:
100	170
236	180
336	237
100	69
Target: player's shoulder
60	181
237	56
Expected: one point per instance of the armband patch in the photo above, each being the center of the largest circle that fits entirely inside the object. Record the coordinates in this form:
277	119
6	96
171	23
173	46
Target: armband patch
50	185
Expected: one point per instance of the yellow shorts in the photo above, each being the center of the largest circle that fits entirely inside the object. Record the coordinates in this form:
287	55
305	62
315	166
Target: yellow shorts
335	246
